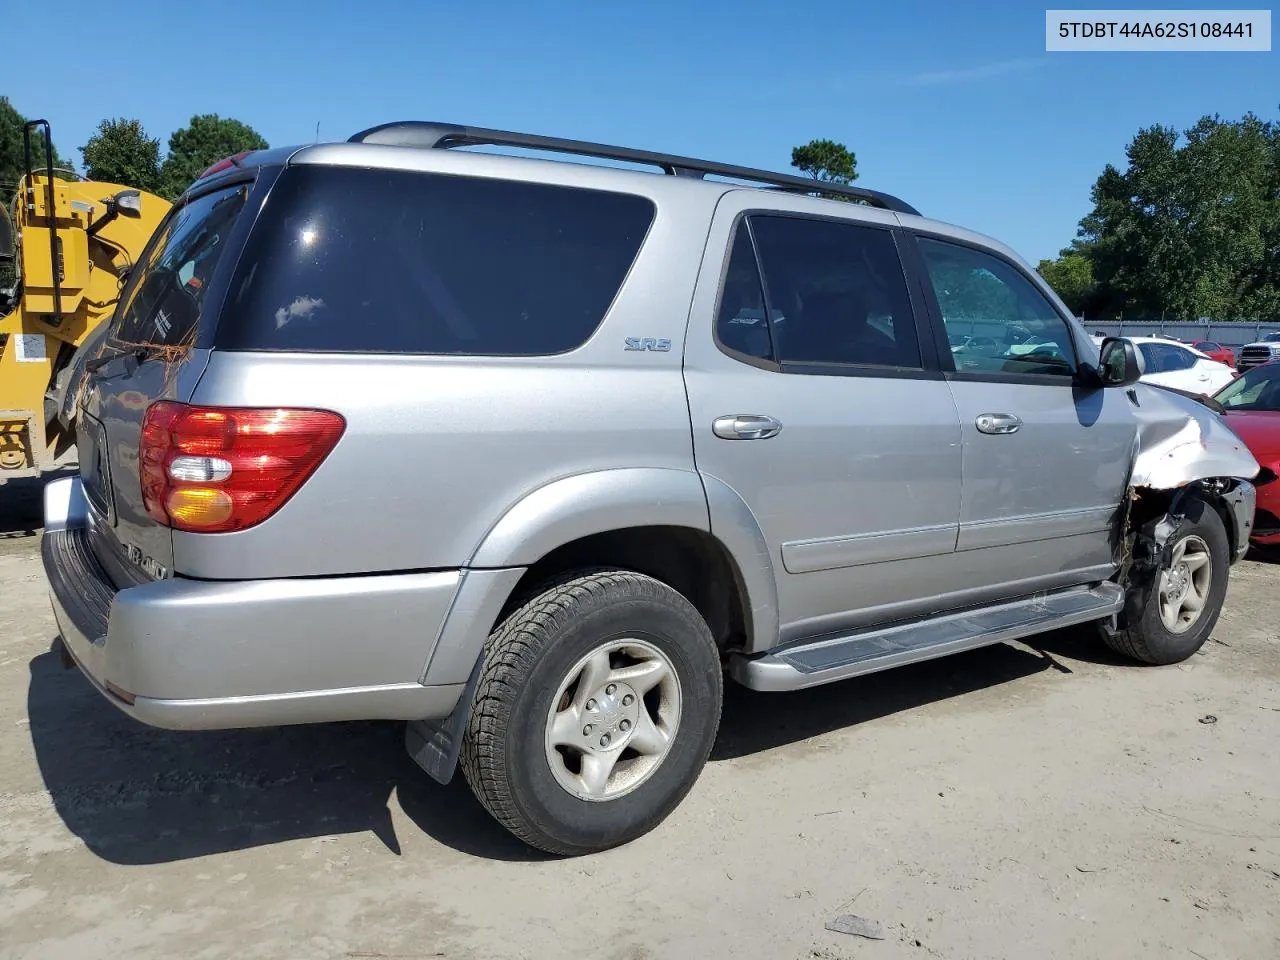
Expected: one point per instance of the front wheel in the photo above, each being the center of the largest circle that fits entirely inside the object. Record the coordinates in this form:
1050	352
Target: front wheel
596	710
1169	619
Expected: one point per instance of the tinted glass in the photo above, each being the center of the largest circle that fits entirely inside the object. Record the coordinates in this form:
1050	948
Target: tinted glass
1178	359
740	321
1259	389
837	293
1166	358
360	260
1152	358
996	319
165	297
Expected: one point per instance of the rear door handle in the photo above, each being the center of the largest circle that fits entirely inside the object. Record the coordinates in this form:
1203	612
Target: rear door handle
997	423
745	426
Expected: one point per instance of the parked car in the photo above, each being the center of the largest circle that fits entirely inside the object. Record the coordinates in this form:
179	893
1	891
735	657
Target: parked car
1259	352
1215	351
528	453
1251	407
1170	364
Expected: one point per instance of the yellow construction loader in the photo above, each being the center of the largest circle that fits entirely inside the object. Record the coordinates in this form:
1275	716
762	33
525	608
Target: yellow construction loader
69	244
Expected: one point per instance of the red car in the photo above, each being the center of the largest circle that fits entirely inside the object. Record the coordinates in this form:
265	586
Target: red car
1216	351
1251	408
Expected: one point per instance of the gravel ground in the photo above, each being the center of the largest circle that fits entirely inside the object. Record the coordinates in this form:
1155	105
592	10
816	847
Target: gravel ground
1038	801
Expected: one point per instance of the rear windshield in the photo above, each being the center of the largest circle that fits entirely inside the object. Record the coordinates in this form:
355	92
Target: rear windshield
384	261
162	305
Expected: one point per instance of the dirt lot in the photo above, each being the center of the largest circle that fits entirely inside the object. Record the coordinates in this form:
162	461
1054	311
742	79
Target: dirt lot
1012	802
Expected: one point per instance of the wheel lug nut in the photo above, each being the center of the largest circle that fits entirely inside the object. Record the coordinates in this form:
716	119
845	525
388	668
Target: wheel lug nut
586	731
611	689
624	726
628	700
591	704
604	741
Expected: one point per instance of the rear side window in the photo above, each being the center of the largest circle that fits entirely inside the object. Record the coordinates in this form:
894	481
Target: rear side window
839	291
836	295
162	306
383	261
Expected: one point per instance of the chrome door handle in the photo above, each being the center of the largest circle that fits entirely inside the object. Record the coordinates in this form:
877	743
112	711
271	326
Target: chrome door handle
745	426
997	423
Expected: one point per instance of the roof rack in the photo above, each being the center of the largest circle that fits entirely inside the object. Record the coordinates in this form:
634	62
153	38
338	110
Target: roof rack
424	134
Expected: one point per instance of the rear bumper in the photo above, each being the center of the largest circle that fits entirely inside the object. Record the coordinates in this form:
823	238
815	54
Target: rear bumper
190	654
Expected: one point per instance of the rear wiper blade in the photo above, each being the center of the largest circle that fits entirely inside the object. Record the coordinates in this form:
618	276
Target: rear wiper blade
101	361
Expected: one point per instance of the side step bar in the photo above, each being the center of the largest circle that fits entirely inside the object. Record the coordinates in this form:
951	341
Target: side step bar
813	662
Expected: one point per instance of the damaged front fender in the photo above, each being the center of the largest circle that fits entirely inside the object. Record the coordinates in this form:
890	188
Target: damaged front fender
1183	448
1180	441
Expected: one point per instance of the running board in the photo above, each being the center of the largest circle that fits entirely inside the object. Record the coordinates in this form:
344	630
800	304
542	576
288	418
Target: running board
813	662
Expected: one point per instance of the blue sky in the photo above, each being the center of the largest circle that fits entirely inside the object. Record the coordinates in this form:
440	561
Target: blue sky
954	106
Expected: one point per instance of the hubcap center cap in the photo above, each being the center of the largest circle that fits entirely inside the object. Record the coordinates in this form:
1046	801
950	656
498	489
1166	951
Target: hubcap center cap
1179	581
610	717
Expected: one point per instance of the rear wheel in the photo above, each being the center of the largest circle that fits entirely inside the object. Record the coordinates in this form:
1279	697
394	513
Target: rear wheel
596	710
1170	618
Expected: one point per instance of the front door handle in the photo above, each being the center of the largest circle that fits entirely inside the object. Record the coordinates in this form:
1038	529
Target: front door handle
997	423
745	426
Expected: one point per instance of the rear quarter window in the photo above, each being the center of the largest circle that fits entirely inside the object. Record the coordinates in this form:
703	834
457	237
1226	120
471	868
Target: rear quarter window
163	302
380	261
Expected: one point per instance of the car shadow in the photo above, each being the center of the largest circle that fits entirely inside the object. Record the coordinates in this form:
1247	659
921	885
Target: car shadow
21	507
22	504
753	722
137	795
1268	555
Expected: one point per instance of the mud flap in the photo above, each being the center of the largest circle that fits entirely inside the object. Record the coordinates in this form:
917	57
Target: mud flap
64	655
435	744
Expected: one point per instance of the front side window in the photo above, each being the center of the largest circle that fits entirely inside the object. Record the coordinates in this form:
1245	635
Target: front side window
163	304
837	293
996	320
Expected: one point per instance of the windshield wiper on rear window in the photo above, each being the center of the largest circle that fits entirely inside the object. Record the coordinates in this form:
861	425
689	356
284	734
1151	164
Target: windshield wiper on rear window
97	363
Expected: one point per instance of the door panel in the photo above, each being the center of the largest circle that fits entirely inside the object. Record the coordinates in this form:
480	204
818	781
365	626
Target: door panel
1045	460
858	491
1060	475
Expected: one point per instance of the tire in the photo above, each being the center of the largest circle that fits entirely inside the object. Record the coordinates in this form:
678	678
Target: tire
554	651
1146	636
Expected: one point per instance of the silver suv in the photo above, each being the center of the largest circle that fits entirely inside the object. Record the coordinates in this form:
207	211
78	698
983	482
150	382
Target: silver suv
532	453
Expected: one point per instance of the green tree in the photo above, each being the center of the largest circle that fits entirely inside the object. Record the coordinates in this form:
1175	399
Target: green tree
207	139
12	162
121	152
826	160
1071	276
1191	227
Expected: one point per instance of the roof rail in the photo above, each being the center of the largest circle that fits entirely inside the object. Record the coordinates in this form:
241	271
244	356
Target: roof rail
424	134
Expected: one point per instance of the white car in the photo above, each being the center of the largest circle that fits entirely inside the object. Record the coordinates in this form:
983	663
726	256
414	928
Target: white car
1168	363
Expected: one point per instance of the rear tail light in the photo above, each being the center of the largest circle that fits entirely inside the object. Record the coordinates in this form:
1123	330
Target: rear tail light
218	469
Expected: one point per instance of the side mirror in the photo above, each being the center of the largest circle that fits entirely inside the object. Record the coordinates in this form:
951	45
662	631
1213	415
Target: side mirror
1119	363
127	203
